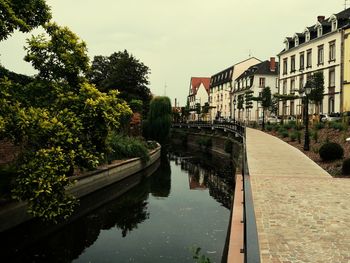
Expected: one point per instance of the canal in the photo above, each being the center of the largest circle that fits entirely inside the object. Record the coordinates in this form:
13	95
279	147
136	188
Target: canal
184	204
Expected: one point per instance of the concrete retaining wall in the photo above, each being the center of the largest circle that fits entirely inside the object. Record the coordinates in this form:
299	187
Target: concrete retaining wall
15	213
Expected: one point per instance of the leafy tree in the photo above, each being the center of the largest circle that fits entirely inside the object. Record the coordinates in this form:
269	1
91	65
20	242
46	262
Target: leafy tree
60	120
157	126
266	102
317	89
136	105
61	58
240	103
122	71
248	100
22	15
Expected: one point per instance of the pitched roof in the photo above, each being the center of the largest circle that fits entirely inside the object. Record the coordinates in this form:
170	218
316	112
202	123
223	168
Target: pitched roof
262	68
196	82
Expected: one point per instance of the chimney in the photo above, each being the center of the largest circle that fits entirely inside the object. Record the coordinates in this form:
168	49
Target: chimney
321	18
175	102
272	64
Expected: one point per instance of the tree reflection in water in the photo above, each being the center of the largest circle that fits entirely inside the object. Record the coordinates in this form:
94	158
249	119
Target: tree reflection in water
124	213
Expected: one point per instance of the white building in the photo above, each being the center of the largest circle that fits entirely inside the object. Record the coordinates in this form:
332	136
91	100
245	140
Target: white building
317	49
221	86
198	93
255	79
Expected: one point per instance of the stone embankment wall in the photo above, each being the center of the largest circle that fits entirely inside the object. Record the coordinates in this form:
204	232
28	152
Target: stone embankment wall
193	139
15	213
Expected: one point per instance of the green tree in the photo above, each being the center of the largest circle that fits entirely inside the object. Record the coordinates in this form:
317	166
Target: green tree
60	120
61	58
248	100
122	71
22	15
159	119
240	104
266	102
317	89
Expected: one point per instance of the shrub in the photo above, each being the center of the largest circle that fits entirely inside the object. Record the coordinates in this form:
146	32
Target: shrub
331	151
315	136
282	132
121	147
299	137
269	127
319	125
293	136
287	126
336	125
346	167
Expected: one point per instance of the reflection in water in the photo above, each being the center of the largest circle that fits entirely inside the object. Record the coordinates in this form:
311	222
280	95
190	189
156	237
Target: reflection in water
161	179
146	224
209	171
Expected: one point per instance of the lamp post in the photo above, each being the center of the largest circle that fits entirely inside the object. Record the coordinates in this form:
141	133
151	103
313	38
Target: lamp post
307	90
234	109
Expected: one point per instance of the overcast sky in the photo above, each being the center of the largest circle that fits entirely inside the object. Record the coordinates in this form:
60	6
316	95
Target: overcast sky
178	39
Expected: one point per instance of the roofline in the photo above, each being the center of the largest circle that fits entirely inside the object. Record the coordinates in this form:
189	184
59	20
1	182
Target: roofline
233	66
312	40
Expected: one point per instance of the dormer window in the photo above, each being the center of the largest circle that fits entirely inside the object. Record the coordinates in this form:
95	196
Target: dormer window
296	41
286	42
307	35
334	22
319	31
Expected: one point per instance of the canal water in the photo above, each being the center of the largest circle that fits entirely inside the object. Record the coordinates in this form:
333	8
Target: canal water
184	204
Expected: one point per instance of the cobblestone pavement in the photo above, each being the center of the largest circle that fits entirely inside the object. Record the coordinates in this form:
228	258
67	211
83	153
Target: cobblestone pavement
302	213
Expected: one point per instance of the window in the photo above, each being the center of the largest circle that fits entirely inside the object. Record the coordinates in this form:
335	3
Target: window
292	107
320	55
331	105
284	108
292	86
262	82
302	59
301	82
292	64
319	31
334	24
309	58
331	82
285	86
296	42
332	51
307	36
285	65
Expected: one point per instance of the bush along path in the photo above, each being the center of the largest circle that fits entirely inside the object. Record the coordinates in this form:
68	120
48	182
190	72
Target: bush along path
328	145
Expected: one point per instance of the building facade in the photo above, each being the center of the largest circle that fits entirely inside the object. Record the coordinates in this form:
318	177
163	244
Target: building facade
319	48
255	79
346	72
198	94
221	87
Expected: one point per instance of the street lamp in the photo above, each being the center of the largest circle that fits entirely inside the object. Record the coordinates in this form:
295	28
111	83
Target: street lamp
234	109
307	90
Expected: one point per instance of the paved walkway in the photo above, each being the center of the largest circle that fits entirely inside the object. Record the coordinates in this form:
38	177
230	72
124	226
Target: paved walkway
302	213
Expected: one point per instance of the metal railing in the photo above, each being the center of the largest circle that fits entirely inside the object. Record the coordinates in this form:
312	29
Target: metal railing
235	127
251	244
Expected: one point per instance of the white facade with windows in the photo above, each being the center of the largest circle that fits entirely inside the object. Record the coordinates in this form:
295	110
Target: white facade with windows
221	86
317	49
255	78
